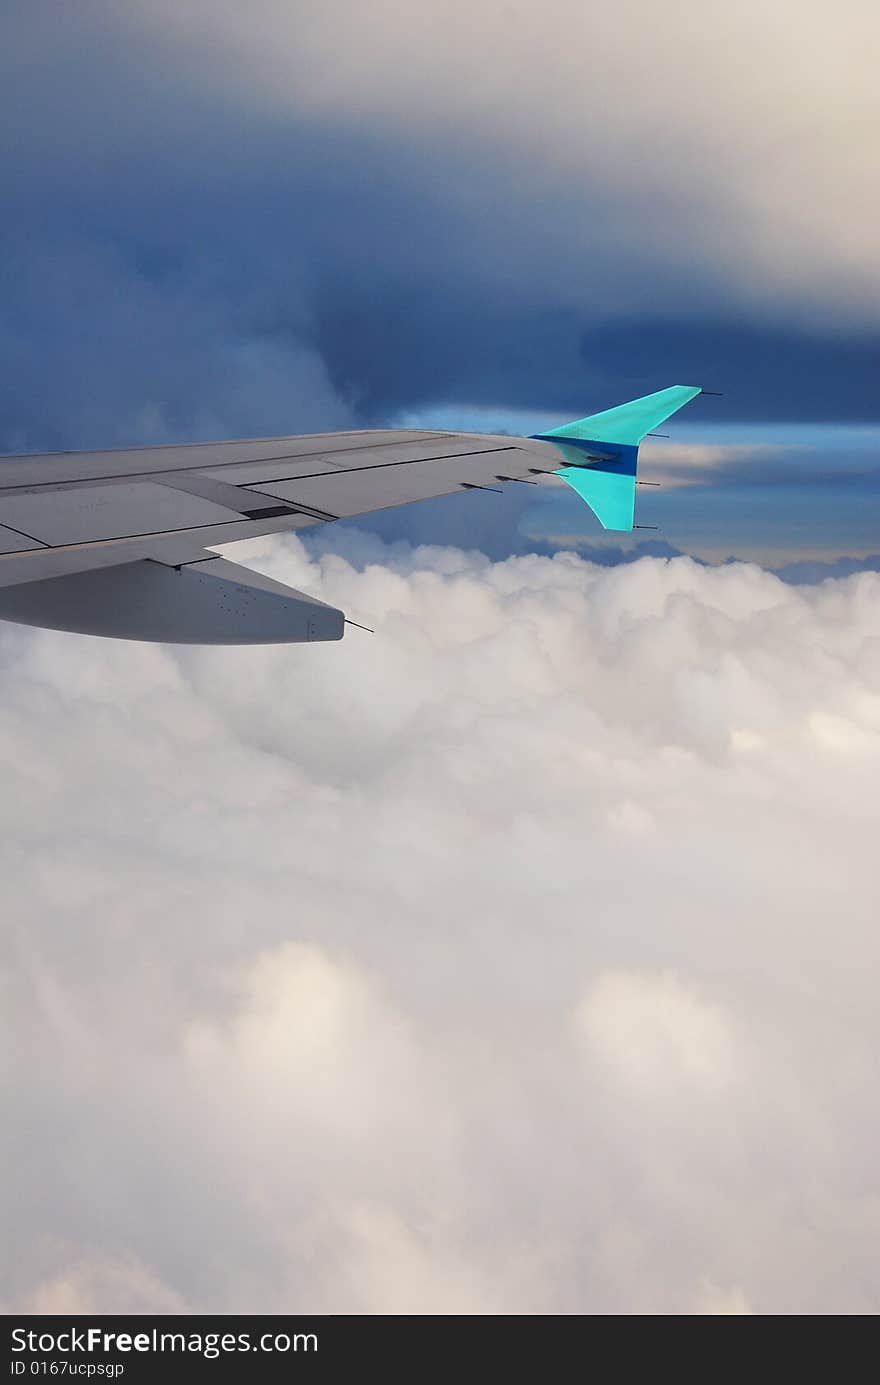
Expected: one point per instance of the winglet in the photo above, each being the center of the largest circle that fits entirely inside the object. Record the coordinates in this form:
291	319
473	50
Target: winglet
601	452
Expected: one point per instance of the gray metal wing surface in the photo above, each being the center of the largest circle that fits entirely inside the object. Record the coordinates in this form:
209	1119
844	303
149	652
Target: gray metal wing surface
118	543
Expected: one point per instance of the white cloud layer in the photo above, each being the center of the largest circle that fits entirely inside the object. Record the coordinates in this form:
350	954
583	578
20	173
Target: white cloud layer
519	958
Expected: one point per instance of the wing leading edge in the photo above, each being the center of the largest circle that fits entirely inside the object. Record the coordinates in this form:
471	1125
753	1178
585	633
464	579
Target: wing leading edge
118	543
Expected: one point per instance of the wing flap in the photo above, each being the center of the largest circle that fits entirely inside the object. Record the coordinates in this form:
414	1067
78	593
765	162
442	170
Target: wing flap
11	541
205	601
357	491
83	514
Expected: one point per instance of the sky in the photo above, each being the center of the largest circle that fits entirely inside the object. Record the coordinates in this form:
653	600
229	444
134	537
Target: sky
518	957
223	222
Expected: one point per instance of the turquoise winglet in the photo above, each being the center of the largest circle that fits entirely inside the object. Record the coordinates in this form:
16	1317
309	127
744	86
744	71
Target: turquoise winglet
601	452
611	495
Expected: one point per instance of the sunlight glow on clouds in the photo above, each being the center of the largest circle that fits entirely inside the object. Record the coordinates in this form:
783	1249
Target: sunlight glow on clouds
521	957
741	131
653	1034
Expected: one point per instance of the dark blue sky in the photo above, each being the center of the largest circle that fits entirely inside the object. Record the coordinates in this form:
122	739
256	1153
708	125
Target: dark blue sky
215	228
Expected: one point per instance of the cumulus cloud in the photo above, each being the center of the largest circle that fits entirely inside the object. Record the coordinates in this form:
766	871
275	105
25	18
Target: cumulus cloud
650	1031
517	958
101	1286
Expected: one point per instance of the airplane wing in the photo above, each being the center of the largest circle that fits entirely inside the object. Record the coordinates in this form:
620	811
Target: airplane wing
117	543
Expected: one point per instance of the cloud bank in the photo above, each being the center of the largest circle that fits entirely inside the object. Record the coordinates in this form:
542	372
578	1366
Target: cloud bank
519	958
223	220
733	119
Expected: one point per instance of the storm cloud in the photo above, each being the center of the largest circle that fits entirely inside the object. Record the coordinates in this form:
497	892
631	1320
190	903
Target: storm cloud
226	221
